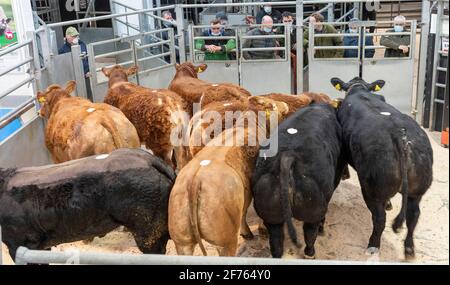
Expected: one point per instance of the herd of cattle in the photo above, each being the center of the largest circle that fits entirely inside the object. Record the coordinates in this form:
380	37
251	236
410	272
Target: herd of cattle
194	192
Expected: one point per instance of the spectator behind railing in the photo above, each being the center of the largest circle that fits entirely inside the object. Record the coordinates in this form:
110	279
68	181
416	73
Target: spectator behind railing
320	27
288	19
397	46
216	49
353	41
268	11
265	30
171	24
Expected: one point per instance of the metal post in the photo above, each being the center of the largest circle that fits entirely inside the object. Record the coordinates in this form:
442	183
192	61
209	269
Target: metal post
331	12
180	32
173	54
356	12
421	76
300	48
437	48
79	71
135	58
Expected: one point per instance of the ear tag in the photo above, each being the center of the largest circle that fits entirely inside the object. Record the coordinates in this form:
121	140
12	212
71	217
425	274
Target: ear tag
338	87
200	70
42	100
377	88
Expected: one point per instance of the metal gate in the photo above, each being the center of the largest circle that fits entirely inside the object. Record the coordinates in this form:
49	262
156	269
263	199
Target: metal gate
242	65
398	72
154	56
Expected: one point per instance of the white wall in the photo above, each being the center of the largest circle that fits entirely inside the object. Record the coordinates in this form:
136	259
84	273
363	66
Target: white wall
121	29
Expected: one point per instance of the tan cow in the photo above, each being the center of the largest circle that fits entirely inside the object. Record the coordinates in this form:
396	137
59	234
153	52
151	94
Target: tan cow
78	128
156	113
212	193
193	90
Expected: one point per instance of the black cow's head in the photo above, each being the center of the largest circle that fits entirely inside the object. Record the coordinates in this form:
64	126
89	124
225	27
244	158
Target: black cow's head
357	84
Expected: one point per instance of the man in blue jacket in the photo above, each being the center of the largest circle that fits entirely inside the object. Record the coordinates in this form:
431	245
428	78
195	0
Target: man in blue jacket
353	41
72	39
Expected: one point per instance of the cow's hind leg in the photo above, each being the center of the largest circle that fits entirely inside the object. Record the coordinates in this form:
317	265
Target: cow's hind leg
276	239
412	216
310	231
379	223
322	227
230	249
246	233
185	249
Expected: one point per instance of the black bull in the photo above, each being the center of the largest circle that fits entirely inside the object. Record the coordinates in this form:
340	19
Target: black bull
391	154
46	206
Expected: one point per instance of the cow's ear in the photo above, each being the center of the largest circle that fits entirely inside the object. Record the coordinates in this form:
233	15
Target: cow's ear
41	97
107	71
132	70
338	84
201	68
377	85
71	85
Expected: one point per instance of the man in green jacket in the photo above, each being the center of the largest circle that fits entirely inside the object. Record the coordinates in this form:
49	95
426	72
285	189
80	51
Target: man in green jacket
397	46
320	27
216	49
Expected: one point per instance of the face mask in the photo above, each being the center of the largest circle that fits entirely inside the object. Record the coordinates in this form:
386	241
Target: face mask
353	31
268	9
398	28
267	30
76	41
215	34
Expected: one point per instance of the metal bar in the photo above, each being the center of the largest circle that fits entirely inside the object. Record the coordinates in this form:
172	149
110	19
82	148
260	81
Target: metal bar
263	37
15	87
107	17
114	53
389	34
439	101
345	15
334	35
335	47
299	34
15	47
154	69
13	115
263	49
440	85
443	53
11	68
78	70
154	56
214	38
25	256
443	69
153	45
128	25
320	11
124	5
180	31
121	64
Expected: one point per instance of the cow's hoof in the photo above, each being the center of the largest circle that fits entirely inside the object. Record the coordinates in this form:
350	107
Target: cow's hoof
410	253
249	236
389	206
310	257
263	231
372	251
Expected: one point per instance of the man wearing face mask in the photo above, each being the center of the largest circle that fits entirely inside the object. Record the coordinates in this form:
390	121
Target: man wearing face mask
216	49
264	30
317	20
397	46
268	11
73	39
353	28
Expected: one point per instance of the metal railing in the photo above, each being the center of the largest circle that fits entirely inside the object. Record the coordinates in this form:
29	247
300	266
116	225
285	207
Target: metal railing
29	103
25	256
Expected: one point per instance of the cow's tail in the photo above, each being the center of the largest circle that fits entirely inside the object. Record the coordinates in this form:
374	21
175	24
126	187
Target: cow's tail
111	127
403	148
286	182
193	192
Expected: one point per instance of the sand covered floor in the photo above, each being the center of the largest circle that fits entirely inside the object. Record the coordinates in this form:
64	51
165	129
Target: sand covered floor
347	229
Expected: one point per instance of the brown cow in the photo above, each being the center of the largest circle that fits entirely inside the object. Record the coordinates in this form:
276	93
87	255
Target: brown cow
193	90
156	113
78	128
212	193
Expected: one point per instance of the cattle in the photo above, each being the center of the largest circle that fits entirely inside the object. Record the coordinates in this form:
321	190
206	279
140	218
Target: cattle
391	154
42	207
156	113
223	115
296	102
300	180
78	128
196	91
212	193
